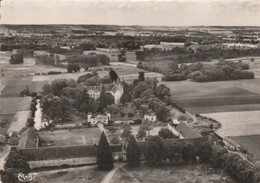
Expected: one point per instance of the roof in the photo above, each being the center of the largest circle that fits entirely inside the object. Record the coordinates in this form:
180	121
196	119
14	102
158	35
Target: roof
28	139
187	132
108	87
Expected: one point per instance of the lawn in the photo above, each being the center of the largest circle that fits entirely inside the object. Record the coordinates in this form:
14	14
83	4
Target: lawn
251	144
170	174
237	123
89	174
70	137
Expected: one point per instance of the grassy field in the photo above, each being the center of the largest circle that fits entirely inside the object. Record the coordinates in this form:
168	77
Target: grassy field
237	123
89	174
169	174
71	137
251	144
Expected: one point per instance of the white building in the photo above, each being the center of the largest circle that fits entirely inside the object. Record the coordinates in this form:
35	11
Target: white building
95	119
150	117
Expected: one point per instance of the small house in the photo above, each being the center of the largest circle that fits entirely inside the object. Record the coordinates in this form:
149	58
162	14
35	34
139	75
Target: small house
99	118
150	116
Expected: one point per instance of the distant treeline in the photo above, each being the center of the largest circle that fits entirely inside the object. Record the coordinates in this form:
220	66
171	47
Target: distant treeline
222	71
186	55
90	60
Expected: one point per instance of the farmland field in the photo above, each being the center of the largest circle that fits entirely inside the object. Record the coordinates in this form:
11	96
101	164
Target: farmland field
9	105
169	174
71	137
237	123
251	144
219	96
15	85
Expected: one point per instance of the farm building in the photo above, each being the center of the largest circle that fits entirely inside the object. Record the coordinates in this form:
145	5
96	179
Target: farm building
185	131
150	116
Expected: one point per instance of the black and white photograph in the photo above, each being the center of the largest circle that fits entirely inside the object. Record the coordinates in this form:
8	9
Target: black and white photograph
130	91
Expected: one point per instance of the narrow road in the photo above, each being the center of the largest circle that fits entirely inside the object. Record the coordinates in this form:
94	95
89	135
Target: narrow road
110	175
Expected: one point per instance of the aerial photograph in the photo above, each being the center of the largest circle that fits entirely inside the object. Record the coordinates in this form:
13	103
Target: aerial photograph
130	91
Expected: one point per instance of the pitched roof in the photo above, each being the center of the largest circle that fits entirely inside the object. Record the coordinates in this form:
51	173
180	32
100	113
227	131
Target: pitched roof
187	132
108	87
28	139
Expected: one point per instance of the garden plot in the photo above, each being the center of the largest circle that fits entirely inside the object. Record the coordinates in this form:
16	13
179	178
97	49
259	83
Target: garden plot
84	136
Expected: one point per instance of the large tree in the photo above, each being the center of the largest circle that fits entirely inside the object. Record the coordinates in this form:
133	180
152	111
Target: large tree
104	154
14	165
126	131
132	152
104	100
113	76
165	133
155	151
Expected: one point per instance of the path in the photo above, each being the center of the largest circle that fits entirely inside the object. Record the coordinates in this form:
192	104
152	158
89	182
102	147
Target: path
110	174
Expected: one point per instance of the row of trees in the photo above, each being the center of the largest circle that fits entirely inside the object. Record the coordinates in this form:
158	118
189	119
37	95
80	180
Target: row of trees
16	59
187	55
236	165
92	59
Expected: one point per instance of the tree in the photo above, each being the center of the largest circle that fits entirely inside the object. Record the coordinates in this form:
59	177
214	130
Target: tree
104	154
132	152
113	76
30	122
104	100
73	68
141	133
141	77
165	133
155	151
204	152
57	85
140	88
14	164
126	131
52	106
189	153
163	92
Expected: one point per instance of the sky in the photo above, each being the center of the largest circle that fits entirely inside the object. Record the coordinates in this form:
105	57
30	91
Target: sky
132	12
